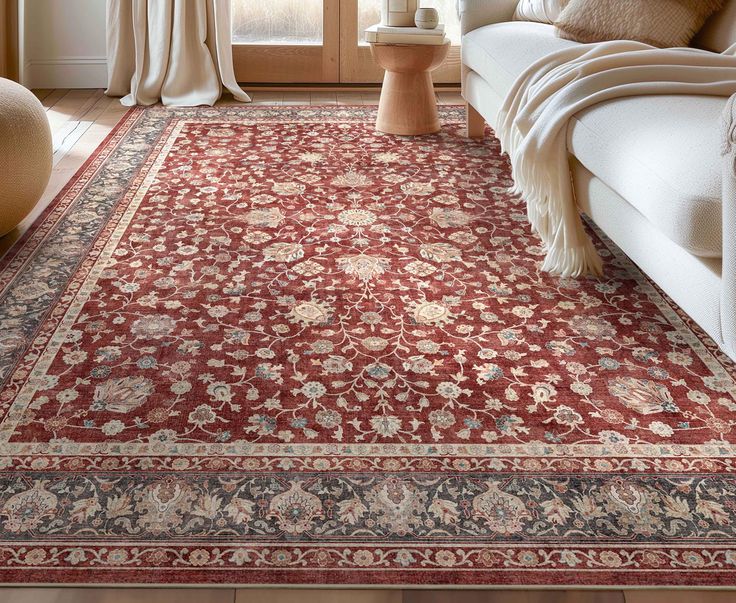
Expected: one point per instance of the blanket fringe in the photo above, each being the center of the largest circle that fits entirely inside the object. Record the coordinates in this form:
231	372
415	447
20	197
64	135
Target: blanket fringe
533	122
573	262
537	187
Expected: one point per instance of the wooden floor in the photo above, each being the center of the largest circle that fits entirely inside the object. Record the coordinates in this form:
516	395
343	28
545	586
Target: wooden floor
230	595
80	120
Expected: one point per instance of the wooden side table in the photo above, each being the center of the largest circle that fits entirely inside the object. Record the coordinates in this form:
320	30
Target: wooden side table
408	106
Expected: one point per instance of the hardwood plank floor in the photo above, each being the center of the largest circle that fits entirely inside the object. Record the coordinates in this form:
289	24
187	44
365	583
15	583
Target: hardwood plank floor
80	121
296	98
674	596
260	595
323	98
116	595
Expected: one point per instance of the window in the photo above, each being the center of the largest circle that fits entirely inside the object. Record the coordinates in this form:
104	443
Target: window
278	22
318	41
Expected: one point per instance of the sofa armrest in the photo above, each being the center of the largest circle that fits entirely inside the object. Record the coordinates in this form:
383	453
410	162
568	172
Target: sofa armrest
477	13
728	294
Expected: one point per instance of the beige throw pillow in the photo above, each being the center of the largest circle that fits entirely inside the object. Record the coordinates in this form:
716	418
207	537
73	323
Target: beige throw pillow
542	11
663	23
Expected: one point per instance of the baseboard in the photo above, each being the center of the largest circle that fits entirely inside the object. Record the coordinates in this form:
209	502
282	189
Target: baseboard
66	72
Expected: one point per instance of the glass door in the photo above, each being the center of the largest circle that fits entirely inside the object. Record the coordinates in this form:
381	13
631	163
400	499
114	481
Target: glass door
319	41
356	63
286	41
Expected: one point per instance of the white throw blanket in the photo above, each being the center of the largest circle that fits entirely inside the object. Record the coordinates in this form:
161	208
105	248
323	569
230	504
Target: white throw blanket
534	118
728	136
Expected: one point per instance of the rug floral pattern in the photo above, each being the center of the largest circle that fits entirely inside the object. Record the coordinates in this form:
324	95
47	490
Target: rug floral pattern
274	345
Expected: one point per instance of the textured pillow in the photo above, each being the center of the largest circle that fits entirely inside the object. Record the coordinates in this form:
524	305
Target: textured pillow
663	23
542	11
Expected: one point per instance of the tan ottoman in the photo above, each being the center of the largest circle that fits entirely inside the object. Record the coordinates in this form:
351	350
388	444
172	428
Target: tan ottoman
26	152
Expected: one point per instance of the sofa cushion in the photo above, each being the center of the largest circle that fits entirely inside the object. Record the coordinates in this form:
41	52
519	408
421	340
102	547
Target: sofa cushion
661	154
499	53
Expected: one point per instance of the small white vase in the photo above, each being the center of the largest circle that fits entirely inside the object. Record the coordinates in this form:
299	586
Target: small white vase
427	18
398	13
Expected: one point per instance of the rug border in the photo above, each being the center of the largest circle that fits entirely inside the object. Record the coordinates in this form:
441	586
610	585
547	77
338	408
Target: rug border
22	241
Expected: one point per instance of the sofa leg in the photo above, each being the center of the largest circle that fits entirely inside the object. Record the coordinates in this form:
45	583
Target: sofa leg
476	123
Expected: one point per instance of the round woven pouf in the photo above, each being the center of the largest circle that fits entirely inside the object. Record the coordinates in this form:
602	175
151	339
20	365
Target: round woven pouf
26	152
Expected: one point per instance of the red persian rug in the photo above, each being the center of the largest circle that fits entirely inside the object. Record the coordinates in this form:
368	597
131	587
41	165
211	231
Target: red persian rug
273	346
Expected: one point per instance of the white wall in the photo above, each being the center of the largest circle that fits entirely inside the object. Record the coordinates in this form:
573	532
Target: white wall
64	43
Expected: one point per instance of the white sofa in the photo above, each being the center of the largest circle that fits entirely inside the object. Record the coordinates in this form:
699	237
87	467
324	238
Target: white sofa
647	170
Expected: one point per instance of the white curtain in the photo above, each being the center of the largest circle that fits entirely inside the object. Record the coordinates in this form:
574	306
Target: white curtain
178	52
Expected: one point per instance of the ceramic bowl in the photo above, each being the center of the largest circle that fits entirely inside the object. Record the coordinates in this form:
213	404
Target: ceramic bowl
427	18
